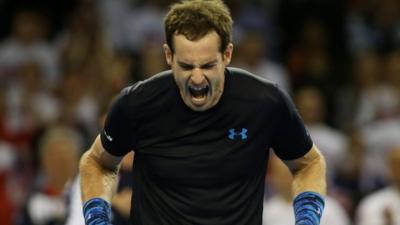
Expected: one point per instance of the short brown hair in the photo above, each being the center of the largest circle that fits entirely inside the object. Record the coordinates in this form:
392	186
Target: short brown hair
196	18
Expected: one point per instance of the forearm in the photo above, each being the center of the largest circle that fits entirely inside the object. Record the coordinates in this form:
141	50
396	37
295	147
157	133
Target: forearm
96	181
311	177
309	186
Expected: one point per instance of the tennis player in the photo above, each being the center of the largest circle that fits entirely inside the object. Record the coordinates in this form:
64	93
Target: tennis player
201	133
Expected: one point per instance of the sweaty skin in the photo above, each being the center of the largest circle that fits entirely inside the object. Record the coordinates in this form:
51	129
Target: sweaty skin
199	64
309	172
99	172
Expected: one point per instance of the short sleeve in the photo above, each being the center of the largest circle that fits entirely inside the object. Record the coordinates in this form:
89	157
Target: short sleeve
291	138
117	136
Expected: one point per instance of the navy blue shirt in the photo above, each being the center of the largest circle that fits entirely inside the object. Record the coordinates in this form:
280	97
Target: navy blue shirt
202	168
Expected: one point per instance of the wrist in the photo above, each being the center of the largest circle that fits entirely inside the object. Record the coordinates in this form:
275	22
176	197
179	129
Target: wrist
308	207
97	211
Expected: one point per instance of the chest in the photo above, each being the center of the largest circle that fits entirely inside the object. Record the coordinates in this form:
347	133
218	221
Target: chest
219	145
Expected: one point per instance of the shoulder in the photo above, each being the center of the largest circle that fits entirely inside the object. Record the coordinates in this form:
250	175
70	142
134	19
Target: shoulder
154	87
160	80
157	90
245	83
244	75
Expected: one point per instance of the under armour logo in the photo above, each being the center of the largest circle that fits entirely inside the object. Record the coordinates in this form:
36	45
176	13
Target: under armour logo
319	212
233	134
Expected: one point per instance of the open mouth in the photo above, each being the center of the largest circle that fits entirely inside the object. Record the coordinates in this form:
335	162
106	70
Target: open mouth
198	93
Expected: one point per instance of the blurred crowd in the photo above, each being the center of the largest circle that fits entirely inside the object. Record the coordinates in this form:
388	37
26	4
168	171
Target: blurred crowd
62	62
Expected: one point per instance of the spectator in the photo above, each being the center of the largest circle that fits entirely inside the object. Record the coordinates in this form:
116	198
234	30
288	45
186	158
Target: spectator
379	99
357	101
312	107
8	158
83	41
124	21
59	152
252	56
374	25
382	207
390	90
380	136
27	43
348	187
80	107
152	59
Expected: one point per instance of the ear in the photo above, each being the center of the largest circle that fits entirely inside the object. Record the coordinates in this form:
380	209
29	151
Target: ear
227	56
168	54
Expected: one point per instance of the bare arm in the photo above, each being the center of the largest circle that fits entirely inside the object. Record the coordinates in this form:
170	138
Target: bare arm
99	172
309	172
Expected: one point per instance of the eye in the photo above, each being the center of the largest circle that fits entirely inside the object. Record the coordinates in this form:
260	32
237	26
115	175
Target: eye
185	66
208	66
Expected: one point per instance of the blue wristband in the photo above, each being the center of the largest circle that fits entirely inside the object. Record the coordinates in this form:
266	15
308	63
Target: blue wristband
308	207
97	212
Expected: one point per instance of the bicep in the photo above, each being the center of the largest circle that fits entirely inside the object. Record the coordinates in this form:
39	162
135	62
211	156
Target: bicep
313	156
102	157
118	134
308	172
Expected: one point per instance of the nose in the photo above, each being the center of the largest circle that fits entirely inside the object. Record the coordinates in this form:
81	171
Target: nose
197	77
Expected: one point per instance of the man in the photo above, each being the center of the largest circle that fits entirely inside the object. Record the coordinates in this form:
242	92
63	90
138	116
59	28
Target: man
201	134
59	151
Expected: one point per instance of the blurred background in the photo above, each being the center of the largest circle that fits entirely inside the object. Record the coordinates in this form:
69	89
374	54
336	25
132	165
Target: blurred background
62	62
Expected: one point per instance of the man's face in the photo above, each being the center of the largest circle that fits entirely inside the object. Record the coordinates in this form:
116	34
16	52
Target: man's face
198	68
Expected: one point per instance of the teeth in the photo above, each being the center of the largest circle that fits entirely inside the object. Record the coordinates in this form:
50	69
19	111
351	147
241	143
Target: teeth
198	88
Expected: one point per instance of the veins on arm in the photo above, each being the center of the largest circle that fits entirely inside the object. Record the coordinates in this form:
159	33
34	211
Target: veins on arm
308	172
